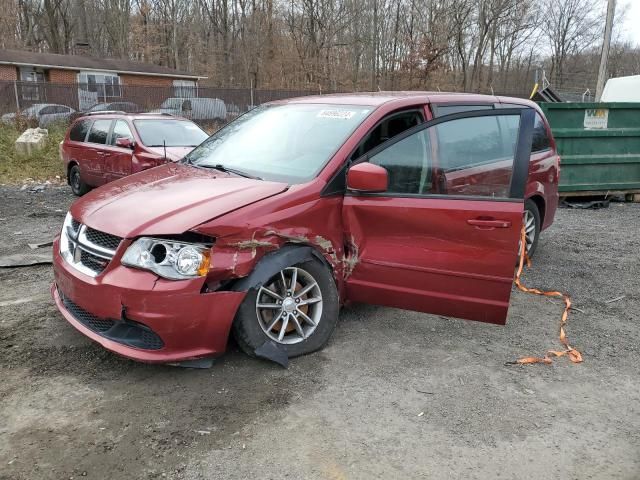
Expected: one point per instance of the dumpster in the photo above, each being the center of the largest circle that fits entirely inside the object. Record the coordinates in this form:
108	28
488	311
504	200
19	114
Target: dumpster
599	147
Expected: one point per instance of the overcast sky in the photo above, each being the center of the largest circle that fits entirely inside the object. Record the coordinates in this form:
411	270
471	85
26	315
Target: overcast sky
631	27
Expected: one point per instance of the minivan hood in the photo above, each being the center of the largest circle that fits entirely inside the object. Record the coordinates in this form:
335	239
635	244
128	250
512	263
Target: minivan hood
169	199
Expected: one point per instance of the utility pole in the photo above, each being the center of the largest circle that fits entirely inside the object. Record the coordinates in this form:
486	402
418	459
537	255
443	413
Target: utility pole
604	57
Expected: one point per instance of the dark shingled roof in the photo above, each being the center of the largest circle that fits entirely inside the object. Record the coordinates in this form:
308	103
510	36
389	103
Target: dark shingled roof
81	62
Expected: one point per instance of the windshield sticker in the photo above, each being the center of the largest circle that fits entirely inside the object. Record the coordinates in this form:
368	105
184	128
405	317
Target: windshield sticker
338	114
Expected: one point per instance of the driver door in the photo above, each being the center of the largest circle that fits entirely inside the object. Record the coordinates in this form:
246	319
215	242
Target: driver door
426	243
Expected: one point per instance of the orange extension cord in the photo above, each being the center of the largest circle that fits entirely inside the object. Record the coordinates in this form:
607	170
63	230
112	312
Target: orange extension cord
573	354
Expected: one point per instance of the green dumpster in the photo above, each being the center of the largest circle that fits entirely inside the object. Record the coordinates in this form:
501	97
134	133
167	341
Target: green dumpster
599	146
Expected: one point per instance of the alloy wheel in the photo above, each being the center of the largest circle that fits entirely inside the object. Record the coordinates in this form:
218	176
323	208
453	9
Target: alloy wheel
529	221
289	307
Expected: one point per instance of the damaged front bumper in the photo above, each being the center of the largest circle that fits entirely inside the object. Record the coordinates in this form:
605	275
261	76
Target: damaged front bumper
139	316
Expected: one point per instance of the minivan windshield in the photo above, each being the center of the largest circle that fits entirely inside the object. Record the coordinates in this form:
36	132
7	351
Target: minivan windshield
169	132
286	143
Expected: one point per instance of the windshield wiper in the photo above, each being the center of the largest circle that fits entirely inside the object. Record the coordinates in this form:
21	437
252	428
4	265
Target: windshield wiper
222	168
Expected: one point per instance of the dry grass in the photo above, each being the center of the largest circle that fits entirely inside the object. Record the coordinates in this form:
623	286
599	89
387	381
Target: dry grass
42	165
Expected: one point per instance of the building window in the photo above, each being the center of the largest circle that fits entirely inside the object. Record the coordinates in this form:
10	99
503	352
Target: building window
30	75
103	85
185	88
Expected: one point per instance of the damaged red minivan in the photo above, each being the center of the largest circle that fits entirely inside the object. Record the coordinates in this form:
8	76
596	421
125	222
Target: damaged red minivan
410	200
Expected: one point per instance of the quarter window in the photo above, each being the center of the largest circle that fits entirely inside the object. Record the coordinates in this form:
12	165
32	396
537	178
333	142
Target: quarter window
79	131
540	137
99	131
120	130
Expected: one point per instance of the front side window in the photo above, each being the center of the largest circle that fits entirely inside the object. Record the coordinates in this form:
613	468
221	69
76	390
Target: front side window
120	130
475	155
169	133
409	164
389	127
99	132
288	143
468	156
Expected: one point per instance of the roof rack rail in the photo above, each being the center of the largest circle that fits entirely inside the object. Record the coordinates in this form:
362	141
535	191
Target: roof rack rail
106	112
165	114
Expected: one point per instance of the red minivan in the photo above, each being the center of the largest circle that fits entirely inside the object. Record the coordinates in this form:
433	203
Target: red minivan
105	146
409	200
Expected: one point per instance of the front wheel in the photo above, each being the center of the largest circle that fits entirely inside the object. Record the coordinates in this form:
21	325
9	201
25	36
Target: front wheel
297	308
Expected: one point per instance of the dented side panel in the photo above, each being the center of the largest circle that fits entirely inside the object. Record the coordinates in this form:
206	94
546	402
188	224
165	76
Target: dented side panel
243	239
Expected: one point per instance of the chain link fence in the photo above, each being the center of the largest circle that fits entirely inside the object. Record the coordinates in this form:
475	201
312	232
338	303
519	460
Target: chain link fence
48	102
43	103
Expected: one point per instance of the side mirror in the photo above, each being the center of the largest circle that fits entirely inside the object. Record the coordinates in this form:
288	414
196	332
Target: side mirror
124	142
367	177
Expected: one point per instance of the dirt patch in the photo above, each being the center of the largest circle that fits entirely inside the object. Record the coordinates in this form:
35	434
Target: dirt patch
396	394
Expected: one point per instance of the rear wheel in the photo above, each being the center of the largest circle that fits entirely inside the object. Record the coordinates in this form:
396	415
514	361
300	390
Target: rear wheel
78	187
531	222
297	308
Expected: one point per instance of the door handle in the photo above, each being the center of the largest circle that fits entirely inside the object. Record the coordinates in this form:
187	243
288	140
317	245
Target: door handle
489	223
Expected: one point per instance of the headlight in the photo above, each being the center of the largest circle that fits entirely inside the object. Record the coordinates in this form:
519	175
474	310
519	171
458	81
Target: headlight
169	258
67	237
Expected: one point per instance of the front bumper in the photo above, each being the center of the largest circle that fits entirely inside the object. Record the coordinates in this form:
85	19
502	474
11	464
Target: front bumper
169	321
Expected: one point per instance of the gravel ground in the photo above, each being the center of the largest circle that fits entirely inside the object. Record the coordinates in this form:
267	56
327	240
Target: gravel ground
396	394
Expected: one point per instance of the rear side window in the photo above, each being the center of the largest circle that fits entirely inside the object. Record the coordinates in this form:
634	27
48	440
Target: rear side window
79	131
99	131
540	137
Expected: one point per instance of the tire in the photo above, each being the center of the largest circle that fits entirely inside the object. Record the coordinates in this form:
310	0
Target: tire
531	213
251	325
78	187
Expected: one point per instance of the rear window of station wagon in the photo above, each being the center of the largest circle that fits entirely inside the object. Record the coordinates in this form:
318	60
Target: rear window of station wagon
79	131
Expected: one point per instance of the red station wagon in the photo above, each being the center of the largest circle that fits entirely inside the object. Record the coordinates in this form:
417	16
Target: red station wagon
409	200
105	146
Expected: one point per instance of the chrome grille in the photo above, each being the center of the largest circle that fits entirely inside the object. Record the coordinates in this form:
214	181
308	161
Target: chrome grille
105	240
90	250
89	260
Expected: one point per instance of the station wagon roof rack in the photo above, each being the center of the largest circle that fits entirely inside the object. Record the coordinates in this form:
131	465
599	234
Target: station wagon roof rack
164	114
105	112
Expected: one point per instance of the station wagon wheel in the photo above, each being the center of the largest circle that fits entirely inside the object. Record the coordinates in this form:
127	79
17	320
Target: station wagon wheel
290	307
297	308
78	187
